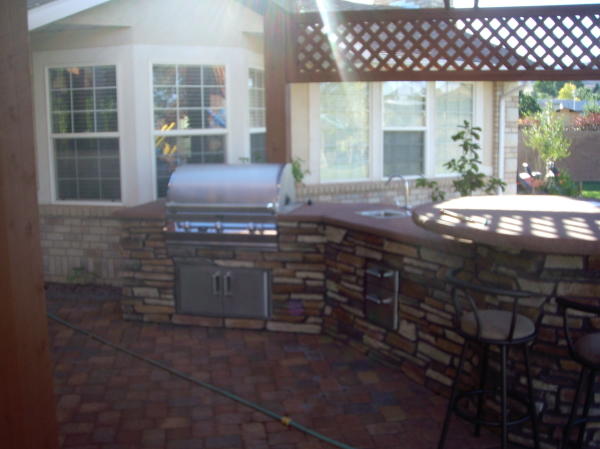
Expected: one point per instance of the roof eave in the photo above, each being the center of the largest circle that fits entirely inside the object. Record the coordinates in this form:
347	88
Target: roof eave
57	10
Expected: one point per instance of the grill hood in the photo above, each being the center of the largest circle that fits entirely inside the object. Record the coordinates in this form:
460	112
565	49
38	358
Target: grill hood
232	188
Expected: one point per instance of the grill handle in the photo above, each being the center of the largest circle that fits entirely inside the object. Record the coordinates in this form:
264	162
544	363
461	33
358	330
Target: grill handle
227	284
216	283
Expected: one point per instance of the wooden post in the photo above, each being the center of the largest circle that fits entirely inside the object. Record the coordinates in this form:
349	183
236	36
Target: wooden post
277	92
27	406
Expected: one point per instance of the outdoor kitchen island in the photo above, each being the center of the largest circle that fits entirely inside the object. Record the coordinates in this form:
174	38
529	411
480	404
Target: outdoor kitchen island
330	259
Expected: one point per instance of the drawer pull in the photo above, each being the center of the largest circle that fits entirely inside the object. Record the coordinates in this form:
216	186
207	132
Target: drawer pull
381	274
377	300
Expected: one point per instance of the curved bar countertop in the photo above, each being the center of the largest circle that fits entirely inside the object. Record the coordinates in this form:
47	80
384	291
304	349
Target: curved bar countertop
540	223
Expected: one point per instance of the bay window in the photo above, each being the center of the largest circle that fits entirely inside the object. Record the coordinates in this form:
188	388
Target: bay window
370	131
190	121
84	133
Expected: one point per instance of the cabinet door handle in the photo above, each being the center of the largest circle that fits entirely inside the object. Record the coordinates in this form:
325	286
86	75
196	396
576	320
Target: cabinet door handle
377	300
216	283
381	274
227	284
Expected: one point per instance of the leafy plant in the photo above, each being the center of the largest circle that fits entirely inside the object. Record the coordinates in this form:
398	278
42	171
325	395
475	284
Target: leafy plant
528	105
437	194
568	92
467	166
297	171
562	184
546	135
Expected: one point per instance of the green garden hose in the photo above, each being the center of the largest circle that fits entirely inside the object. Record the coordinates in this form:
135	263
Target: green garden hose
285	420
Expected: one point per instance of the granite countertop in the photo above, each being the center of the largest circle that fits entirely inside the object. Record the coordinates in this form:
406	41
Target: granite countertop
540	223
344	215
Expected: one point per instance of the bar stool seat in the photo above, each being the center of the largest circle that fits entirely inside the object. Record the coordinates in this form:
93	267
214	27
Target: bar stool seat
588	348
495	325
500	326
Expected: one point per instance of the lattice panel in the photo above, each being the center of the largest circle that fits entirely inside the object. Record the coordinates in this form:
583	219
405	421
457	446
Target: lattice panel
499	43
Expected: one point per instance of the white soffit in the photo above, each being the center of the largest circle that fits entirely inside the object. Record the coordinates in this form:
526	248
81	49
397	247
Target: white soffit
57	10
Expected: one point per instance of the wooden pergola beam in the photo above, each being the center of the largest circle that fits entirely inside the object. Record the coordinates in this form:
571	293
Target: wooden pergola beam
28	416
277	94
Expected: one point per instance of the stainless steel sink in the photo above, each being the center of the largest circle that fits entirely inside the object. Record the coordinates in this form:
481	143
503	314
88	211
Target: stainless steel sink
385	213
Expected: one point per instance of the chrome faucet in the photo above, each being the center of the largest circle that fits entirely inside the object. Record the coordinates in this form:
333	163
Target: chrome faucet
406	190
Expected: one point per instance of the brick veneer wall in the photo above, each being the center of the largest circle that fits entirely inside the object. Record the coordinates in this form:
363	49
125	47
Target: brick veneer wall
318	286
80	244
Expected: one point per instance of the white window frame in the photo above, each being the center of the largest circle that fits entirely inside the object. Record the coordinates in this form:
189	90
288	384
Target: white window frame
256	130
376	130
154	133
94	135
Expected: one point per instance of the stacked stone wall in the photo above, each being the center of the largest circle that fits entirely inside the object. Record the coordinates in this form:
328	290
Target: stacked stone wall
296	268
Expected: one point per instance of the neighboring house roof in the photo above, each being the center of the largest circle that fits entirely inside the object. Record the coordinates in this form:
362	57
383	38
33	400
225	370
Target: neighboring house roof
44	12
571	105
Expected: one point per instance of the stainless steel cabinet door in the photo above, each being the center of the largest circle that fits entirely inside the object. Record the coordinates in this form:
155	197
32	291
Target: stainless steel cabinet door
199	290
246	293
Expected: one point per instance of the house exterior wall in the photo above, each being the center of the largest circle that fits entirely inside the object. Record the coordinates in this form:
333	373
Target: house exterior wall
79	237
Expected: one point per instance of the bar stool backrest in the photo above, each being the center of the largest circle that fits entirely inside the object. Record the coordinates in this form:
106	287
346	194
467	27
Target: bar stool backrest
586	309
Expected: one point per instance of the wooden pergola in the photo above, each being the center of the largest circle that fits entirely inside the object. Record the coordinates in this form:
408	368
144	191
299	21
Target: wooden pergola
475	44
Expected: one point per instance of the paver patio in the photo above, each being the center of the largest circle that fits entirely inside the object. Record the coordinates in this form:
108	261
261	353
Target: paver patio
109	400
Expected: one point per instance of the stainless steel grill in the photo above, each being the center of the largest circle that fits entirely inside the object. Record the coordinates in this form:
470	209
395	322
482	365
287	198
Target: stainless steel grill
222	204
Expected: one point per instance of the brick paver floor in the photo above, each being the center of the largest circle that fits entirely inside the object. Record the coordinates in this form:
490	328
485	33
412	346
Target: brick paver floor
109	400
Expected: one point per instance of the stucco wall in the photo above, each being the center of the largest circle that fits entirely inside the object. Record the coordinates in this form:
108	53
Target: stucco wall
153	22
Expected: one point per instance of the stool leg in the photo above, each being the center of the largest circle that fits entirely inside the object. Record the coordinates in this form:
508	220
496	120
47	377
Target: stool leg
567	432
504	398
532	411
586	406
484	367
452	398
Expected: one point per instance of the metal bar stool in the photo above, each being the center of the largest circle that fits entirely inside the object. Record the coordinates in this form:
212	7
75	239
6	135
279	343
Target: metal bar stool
586	351
487	326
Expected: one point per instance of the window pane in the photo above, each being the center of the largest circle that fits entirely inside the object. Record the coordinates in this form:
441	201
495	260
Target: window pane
214	97
61	122
87	169
214	118
190	75
404	104
213	76
105	76
258	151
83	122
403	152
174	151
344	131
61	100
190	97
165	97
454	104
83	100
257	99
165	120
59	79
106	121
164	74
81	77
106	99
